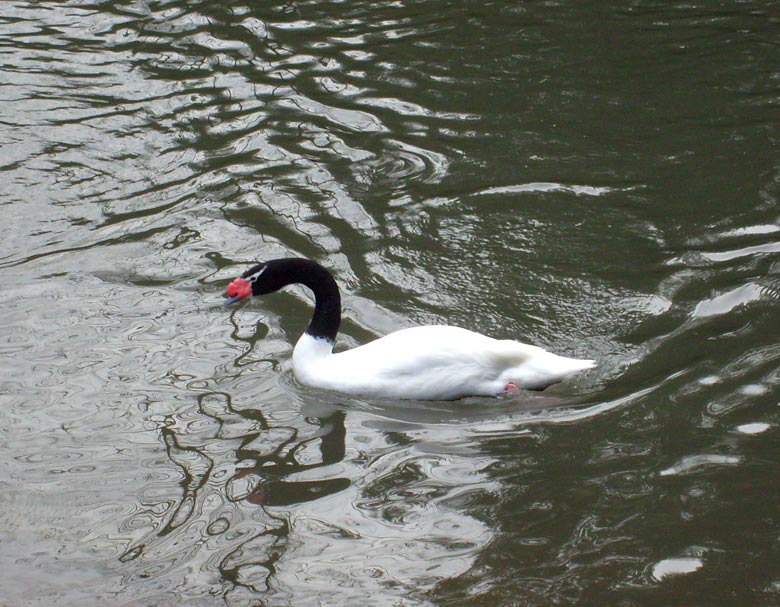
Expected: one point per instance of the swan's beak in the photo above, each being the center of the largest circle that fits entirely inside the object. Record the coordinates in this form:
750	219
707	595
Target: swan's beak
237	289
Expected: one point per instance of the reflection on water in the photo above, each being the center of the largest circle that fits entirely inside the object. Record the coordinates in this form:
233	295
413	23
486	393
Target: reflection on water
264	458
600	180
393	497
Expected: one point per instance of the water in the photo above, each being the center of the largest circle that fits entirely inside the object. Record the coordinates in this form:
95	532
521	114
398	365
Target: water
600	179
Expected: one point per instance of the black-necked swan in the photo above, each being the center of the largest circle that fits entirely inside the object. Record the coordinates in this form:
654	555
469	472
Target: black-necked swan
420	363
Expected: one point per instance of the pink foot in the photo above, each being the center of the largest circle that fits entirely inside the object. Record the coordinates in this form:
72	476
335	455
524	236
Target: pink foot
511	387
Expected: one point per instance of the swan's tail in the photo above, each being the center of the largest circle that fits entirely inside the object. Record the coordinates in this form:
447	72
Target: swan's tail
536	369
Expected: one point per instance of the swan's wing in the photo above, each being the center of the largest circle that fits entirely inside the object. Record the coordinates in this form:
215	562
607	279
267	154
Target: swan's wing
439	362
431	362
463	360
413	350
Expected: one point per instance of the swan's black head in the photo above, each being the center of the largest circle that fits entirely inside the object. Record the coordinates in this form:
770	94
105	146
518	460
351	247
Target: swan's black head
252	282
272	275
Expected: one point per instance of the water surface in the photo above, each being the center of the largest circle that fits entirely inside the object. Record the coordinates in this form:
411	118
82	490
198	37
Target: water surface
601	180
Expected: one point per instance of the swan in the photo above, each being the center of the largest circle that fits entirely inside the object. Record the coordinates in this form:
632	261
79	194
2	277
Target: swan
420	363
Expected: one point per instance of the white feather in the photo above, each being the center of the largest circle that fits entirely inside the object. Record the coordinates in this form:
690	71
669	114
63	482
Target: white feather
430	363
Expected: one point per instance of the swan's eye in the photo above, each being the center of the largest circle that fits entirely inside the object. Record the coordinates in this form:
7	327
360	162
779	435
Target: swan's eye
255	273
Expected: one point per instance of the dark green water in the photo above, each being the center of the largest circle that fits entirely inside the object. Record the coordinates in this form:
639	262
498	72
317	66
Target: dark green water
602	179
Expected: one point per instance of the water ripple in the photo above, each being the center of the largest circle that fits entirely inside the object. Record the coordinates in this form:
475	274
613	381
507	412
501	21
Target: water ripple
157	449
579	190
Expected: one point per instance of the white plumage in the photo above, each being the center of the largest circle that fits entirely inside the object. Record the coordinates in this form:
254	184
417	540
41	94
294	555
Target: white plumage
430	363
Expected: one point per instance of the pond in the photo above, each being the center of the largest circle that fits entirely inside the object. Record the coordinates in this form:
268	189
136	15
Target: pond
600	179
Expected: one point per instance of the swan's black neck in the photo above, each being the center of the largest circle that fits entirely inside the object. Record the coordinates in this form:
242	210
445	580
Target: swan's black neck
327	301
